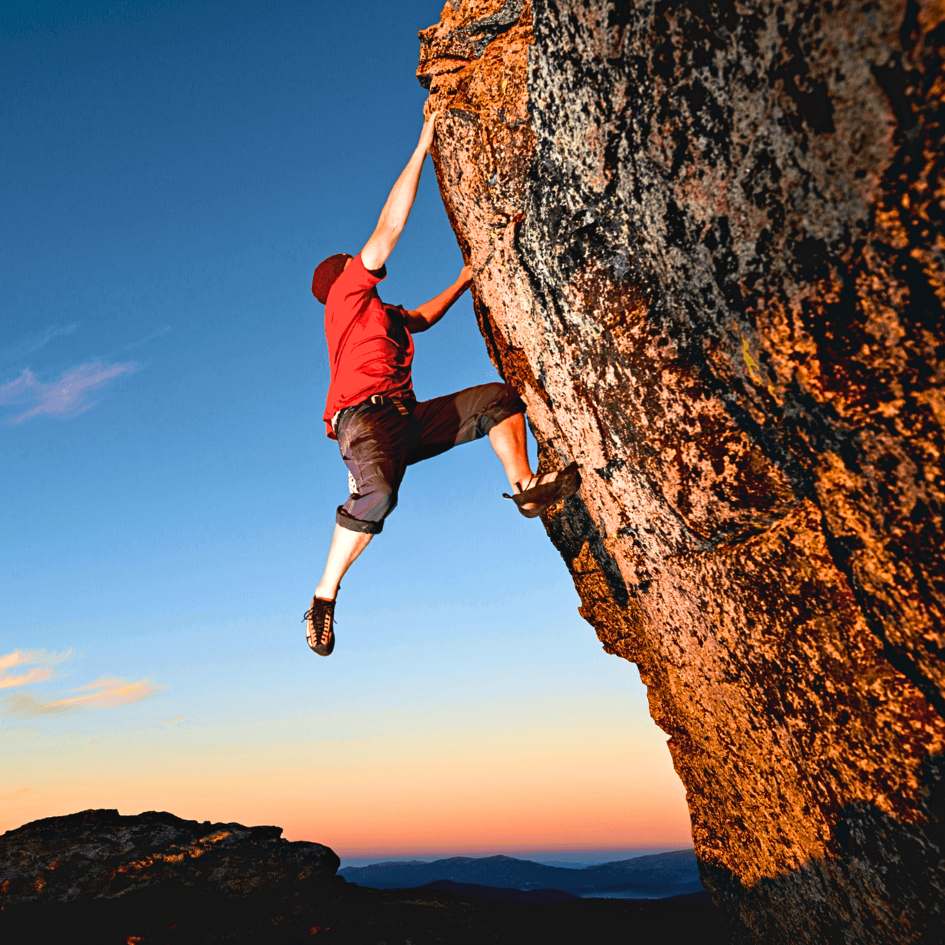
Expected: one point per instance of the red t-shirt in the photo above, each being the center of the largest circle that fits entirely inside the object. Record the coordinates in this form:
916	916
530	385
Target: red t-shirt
370	348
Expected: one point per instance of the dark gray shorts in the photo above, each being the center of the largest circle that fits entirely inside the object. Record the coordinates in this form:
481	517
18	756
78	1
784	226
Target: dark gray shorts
378	443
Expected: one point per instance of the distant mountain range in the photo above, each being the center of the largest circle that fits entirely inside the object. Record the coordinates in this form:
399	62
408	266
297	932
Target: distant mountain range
655	876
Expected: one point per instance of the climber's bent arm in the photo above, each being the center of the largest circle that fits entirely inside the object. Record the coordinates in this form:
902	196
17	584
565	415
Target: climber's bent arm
427	315
391	222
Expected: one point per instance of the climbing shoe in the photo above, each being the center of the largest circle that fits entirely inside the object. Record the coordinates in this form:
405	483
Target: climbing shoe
319	622
540	495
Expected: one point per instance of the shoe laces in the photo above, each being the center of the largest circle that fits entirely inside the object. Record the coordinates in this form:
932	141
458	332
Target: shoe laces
322	632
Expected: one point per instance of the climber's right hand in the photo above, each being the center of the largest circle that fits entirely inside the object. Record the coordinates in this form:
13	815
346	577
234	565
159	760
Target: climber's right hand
426	135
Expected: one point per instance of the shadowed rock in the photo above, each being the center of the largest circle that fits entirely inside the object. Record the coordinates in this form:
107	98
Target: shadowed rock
711	254
100	854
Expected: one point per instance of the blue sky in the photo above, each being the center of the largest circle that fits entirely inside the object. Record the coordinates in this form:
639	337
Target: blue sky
171	172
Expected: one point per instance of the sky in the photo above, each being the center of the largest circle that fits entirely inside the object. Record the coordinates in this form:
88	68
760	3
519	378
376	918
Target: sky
170	173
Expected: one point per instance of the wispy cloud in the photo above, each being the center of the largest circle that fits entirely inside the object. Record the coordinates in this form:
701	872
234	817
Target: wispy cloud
65	396
35	675
40	661
36	342
24	667
159	332
103	693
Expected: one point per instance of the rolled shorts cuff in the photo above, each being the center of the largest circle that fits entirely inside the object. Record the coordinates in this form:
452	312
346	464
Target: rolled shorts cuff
356	524
510	405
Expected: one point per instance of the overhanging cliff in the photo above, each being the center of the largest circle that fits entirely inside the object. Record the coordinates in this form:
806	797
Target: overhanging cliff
711	251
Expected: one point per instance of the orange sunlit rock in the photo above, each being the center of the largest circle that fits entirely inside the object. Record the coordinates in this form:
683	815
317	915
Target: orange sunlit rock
710	258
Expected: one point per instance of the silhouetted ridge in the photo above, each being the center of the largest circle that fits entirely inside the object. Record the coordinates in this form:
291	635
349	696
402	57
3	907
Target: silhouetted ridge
656	875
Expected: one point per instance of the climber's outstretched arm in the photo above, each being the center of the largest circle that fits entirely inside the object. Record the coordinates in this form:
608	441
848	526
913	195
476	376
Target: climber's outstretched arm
391	222
427	315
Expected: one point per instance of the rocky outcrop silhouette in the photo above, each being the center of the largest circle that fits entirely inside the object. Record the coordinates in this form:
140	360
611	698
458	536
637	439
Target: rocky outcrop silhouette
710	257
101	854
100	878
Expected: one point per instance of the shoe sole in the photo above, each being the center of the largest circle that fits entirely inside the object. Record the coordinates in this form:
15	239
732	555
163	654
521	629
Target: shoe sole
565	486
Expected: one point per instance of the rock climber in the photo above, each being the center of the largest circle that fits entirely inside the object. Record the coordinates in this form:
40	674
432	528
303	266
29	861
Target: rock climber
371	409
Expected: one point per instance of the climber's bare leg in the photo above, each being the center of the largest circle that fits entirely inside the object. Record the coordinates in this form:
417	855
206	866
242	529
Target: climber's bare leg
511	446
345	547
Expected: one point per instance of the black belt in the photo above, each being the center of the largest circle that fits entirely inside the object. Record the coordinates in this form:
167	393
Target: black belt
403	404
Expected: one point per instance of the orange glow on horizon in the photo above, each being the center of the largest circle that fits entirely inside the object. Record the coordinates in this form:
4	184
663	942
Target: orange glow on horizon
397	792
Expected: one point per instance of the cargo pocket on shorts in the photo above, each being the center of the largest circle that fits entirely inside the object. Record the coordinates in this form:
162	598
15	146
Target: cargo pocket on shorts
344	447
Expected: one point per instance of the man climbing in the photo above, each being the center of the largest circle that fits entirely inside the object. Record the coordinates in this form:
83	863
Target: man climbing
371	409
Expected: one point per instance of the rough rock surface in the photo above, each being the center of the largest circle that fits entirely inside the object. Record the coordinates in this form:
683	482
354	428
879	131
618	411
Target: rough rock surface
101	854
710	250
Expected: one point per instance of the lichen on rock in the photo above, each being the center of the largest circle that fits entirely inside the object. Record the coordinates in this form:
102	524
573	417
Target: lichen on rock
712	262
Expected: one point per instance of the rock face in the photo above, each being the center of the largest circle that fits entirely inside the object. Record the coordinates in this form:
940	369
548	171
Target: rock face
711	258
100	854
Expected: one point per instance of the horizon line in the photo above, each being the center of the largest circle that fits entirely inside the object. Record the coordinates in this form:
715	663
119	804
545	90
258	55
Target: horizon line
516	853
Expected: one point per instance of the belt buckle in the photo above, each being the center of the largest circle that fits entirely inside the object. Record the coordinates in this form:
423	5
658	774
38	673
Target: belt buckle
397	402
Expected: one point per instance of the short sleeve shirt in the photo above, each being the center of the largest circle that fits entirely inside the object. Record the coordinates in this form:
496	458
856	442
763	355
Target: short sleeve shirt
370	348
